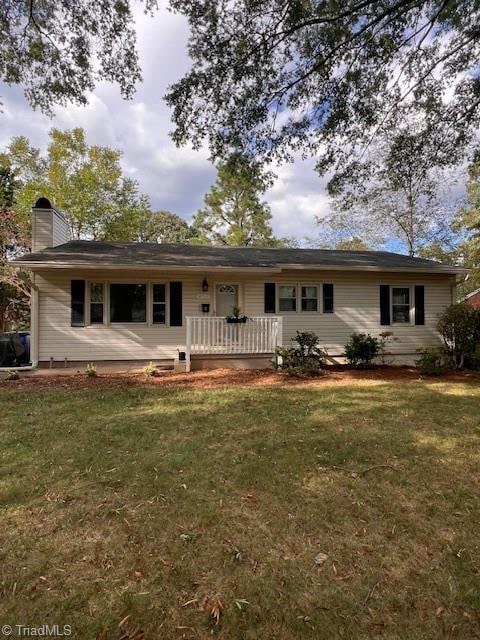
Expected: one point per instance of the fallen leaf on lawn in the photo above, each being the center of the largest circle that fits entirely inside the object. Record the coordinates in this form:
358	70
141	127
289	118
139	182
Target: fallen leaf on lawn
440	611
320	558
103	633
138	574
213	606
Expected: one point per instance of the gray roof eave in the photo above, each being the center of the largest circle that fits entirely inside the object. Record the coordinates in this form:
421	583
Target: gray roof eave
41	265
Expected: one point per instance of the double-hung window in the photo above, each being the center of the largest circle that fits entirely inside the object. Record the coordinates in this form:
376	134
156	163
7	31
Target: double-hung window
401	304
97	302
309	298
287	297
159	304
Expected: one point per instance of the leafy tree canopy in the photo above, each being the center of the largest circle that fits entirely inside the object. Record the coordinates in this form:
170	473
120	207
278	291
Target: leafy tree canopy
468	217
326	77
403	198
14	286
234	212
85	182
59	50
163	226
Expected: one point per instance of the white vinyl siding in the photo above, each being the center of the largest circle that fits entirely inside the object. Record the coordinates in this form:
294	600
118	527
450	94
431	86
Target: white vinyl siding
357	308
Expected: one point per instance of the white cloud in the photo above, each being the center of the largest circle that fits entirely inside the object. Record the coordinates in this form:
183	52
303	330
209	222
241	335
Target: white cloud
297	196
175	179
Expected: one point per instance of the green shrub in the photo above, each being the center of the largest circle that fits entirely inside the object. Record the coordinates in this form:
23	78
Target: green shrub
361	350
459	326
12	375
306	358
150	370
432	362
472	361
91	370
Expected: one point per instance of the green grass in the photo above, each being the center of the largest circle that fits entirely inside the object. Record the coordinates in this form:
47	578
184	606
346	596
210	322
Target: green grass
135	502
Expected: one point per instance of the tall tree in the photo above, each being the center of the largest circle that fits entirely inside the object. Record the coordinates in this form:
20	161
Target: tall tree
86	182
59	50
324	76
14	286
402	201
234	212
163	226
468	218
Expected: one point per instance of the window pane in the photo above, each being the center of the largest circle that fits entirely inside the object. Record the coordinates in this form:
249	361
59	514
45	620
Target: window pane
96	292
309	292
158	293
401	313
128	303
309	304
287	292
287	304
401	295
96	313
159	313
287	295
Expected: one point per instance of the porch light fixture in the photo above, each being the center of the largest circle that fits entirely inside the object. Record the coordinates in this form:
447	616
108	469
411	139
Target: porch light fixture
204	285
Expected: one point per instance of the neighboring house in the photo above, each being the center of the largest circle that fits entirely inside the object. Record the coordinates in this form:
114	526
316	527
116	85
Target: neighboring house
473	299
110	301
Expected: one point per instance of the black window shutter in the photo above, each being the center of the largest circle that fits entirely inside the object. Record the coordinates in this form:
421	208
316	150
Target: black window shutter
384	304
328	298
269	297
176	304
77	303
419	304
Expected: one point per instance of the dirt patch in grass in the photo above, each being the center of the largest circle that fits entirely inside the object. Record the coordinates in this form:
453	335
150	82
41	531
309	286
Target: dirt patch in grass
212	379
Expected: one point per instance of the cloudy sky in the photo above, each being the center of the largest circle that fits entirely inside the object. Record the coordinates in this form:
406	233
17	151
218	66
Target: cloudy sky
175	179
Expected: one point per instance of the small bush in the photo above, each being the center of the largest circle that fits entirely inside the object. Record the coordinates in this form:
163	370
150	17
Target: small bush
91	371
385	338
361	350
472	361
432	362
12	375
459	326
304	359
150	370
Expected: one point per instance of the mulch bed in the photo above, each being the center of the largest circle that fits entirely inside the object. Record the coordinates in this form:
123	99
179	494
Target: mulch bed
211	379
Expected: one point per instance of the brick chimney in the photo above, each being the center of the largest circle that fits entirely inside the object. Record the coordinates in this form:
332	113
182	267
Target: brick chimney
49	227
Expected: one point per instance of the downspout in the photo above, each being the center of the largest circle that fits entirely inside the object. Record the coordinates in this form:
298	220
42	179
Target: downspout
34	324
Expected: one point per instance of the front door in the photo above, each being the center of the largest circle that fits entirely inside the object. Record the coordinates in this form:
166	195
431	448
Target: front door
226	297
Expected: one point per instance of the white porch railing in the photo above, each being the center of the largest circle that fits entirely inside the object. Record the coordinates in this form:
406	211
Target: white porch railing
214	335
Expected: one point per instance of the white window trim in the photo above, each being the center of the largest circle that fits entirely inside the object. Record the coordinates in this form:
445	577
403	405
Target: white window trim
106	303
88	302
319	298
298	289
277	297
411	313
167	304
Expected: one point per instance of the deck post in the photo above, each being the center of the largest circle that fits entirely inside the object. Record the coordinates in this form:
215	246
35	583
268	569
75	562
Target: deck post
279	331
188	346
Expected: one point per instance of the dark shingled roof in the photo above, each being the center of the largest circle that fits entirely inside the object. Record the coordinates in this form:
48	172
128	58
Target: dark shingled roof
89	253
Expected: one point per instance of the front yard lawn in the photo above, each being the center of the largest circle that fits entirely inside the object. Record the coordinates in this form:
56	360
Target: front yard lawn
168	509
